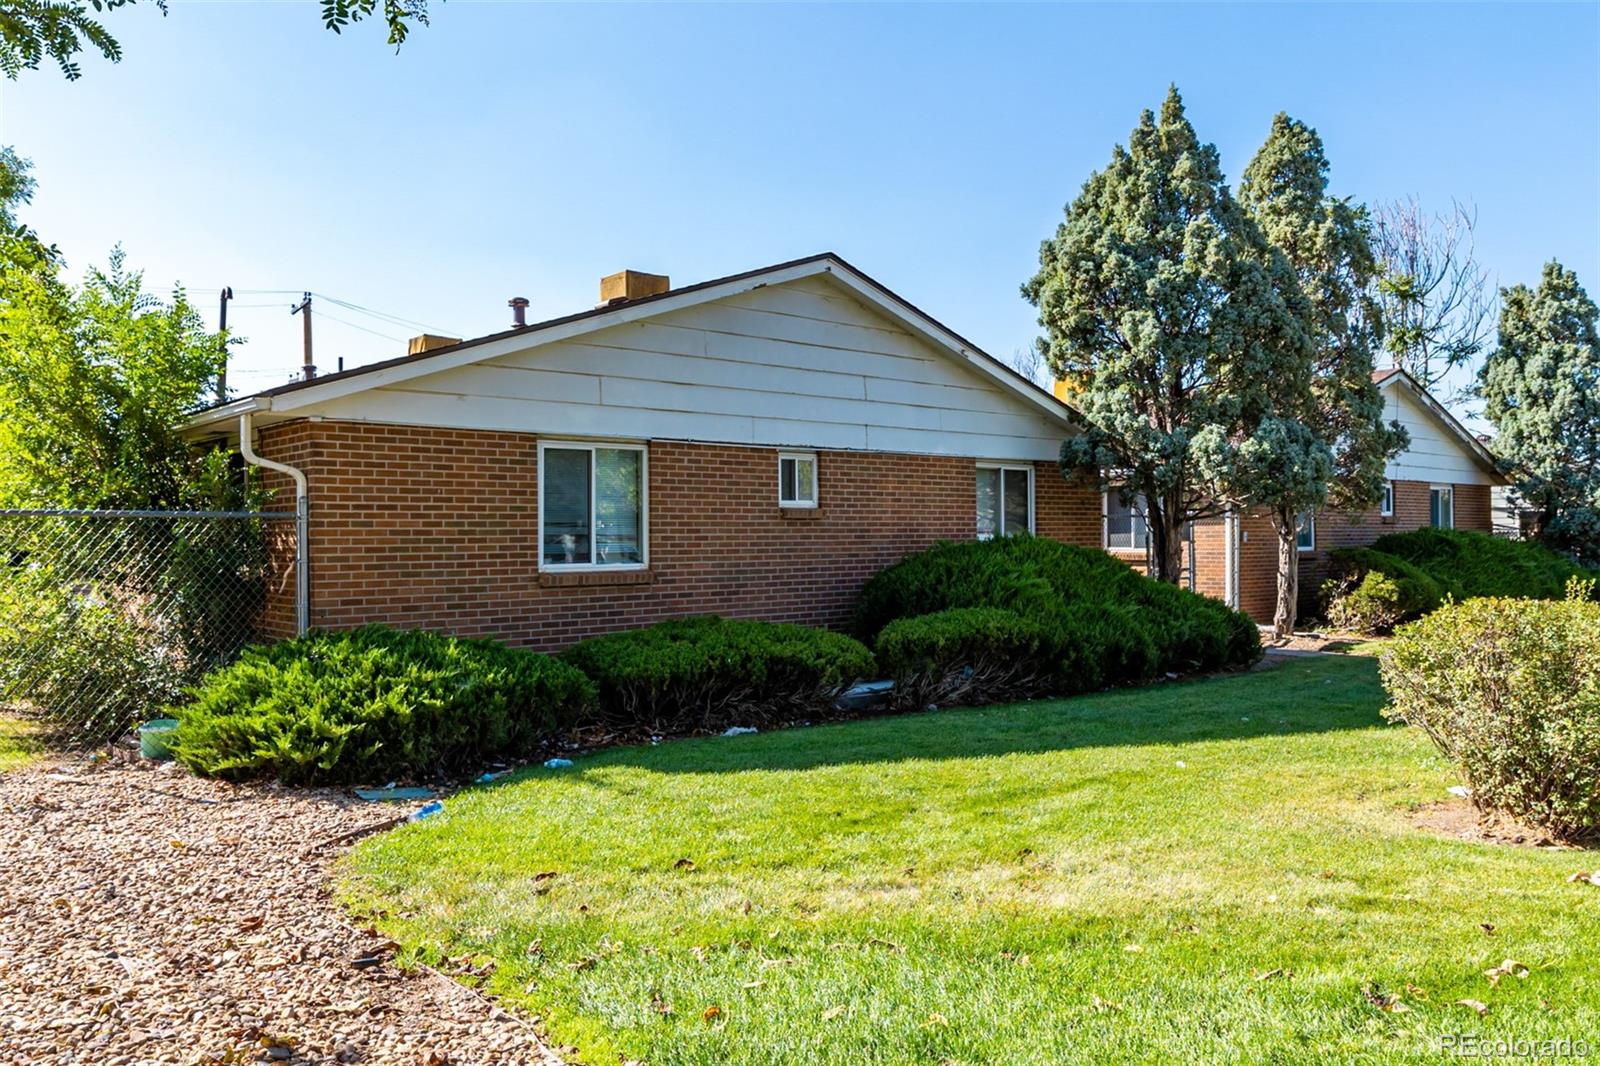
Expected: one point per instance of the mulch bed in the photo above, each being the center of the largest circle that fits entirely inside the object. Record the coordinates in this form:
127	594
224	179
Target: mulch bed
148	916
1460	819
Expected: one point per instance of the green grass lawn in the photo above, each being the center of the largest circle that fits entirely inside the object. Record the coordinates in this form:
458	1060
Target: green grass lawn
19	742
1219	870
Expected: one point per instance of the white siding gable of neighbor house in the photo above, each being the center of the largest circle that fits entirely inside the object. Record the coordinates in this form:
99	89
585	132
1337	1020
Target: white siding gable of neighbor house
802	364
1436	453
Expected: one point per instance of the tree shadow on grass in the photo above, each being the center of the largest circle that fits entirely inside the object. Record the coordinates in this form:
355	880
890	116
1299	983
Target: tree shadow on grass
1302	696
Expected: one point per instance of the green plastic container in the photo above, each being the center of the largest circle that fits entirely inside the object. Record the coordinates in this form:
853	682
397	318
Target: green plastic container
154	737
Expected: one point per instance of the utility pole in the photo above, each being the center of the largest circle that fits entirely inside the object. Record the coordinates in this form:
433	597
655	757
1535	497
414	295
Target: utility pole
222	328
309	370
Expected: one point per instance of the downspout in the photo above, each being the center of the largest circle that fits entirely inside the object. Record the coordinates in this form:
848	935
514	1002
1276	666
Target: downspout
302	526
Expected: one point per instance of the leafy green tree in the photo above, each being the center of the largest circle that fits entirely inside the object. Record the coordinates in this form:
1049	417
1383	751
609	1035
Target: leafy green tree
95	381
1170	316
1329	444
1541	385
32	31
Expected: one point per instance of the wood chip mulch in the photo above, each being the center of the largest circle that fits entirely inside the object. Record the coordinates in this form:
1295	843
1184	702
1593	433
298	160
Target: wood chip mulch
147	916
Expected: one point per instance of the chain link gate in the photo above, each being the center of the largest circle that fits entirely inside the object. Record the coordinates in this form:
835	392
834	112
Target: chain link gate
105	616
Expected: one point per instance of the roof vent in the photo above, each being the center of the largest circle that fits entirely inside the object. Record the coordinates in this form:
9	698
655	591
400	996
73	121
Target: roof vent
628	285
519	311
428	342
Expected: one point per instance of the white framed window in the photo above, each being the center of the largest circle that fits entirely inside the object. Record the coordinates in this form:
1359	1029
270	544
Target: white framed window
1127	526
1005	500
1305	532
1442	506
1386	507
797	479
594	506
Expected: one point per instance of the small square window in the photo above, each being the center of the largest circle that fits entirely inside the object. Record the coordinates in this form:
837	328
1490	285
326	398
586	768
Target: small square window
1305	532
797	480
1127	526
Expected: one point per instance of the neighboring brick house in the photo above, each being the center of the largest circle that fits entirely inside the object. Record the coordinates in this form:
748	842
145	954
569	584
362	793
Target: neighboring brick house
756	446
1442	479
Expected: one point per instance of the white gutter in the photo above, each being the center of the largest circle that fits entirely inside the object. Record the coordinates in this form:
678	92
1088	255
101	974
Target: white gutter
302	527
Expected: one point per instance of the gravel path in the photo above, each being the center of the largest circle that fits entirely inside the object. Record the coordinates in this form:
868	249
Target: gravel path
147	916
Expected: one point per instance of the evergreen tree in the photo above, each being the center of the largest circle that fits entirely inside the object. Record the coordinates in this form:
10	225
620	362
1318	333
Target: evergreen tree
1333	445
1541	385
1172	318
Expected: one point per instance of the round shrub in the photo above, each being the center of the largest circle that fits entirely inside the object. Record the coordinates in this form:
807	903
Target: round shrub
707	673
1509	690
1087	602
374	704
966	655
1368	591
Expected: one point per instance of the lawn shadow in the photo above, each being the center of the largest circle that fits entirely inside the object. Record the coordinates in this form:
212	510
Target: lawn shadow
1311	695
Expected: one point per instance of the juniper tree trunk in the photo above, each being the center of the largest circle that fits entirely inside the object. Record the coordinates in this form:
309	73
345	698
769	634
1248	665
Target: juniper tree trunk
1283	616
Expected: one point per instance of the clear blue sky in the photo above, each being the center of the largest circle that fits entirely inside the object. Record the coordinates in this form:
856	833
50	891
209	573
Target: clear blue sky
523	149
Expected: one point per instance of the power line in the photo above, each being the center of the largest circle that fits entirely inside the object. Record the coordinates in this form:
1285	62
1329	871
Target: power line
382	315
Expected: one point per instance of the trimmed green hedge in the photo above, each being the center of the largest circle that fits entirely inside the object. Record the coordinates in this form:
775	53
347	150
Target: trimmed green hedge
1509	690
966	655
374	704
706	673
1102	623
1477	564
1368	591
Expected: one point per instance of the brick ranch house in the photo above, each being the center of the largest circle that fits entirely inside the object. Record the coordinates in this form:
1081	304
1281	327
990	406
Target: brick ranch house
755	446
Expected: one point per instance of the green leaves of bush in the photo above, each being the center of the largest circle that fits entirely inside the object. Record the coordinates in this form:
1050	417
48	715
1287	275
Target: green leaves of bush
1368	591
1509	691
1469	564
709	672
1099	622
373	704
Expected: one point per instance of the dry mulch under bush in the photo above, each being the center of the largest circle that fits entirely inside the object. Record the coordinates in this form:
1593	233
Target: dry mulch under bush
148	916
1460	819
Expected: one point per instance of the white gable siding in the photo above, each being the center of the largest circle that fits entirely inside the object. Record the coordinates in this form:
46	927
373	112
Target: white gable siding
1436	454
802	364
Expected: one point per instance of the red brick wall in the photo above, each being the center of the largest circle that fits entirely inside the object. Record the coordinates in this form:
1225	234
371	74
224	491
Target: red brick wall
1258	560
436	528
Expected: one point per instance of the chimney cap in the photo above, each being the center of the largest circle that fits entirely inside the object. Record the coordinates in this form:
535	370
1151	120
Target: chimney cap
627	285
427	342
517	301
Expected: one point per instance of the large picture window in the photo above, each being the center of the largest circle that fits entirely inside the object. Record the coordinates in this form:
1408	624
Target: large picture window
1127	528
1005	501
592	503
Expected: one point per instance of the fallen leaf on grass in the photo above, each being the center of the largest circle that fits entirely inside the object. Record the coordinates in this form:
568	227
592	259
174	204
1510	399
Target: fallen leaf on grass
878	941
1509	966
1132	949
833	1012
1416	992
684	864
936	1021
1268	975
710	1014
1476	1005
1104	1005
544	875
1580	878
1020	958
659	1005
1384	1001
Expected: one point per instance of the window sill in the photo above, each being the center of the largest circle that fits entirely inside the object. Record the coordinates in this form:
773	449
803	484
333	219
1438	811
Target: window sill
575	578
800	514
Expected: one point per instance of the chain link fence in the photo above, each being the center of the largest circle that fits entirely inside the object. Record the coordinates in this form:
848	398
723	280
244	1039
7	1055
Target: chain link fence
106	616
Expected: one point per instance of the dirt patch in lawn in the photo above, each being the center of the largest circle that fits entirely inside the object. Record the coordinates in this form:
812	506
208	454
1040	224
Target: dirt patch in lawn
147	916
1459	819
